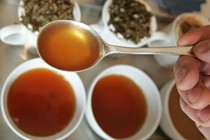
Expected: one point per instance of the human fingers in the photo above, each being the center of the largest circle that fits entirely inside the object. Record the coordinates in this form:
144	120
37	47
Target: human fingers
206	81
200	117
204	130
198	97
190	112
205	68
186	72
193	115
193	36
202	50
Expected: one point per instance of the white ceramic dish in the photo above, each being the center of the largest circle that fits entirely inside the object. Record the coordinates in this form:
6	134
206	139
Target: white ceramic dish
150	92
72	78
76	11
104	30
167	124
17	35
14	35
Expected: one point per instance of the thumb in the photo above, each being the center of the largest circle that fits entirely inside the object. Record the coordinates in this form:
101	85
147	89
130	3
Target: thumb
194	36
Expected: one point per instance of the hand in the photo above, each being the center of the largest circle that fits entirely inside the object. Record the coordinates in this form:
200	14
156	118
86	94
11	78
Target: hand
192	76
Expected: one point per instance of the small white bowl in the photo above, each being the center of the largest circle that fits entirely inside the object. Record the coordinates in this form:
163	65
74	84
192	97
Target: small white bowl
14	35
72	78
17	35
76	11
151	95
114	39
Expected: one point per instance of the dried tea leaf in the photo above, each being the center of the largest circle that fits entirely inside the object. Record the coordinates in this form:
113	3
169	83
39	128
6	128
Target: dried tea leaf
189	26
40	12
130	19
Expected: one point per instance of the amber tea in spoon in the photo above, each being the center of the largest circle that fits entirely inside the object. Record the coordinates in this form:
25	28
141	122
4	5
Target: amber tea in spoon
67	46
74	46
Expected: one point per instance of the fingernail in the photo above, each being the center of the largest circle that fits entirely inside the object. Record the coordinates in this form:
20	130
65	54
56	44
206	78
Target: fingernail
182	42
180	74
203	115
194	94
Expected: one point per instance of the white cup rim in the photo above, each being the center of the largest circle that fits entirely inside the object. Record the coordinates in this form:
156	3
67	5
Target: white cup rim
166	123
80	99
76	10
165	107
115	70
21	35
129	43
178	20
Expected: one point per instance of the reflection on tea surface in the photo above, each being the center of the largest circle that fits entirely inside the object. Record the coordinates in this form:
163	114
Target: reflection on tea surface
68	47
119	106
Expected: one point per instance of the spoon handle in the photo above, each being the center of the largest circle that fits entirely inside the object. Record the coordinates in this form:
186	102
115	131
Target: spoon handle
172	50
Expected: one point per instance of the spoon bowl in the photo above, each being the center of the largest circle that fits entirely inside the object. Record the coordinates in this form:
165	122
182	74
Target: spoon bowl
74	46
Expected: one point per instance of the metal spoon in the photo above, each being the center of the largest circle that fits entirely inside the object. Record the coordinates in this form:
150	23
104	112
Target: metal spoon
107	49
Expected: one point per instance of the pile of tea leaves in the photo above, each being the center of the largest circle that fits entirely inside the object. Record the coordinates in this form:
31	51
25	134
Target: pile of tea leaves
130	19
40	12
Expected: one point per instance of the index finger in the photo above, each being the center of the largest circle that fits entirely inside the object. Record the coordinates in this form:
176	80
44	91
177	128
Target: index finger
193	36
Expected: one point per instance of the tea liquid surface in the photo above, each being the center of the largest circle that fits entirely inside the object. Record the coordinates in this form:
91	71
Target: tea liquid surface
119	106
185	126
41	102
68	48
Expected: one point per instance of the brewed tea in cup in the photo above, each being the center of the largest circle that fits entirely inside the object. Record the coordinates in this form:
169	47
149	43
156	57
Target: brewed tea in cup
41	102
174	122
123	103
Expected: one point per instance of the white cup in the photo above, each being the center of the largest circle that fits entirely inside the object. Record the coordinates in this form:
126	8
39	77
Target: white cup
70	77
183	122
105	31
173	33
150	93
17	35
14	34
